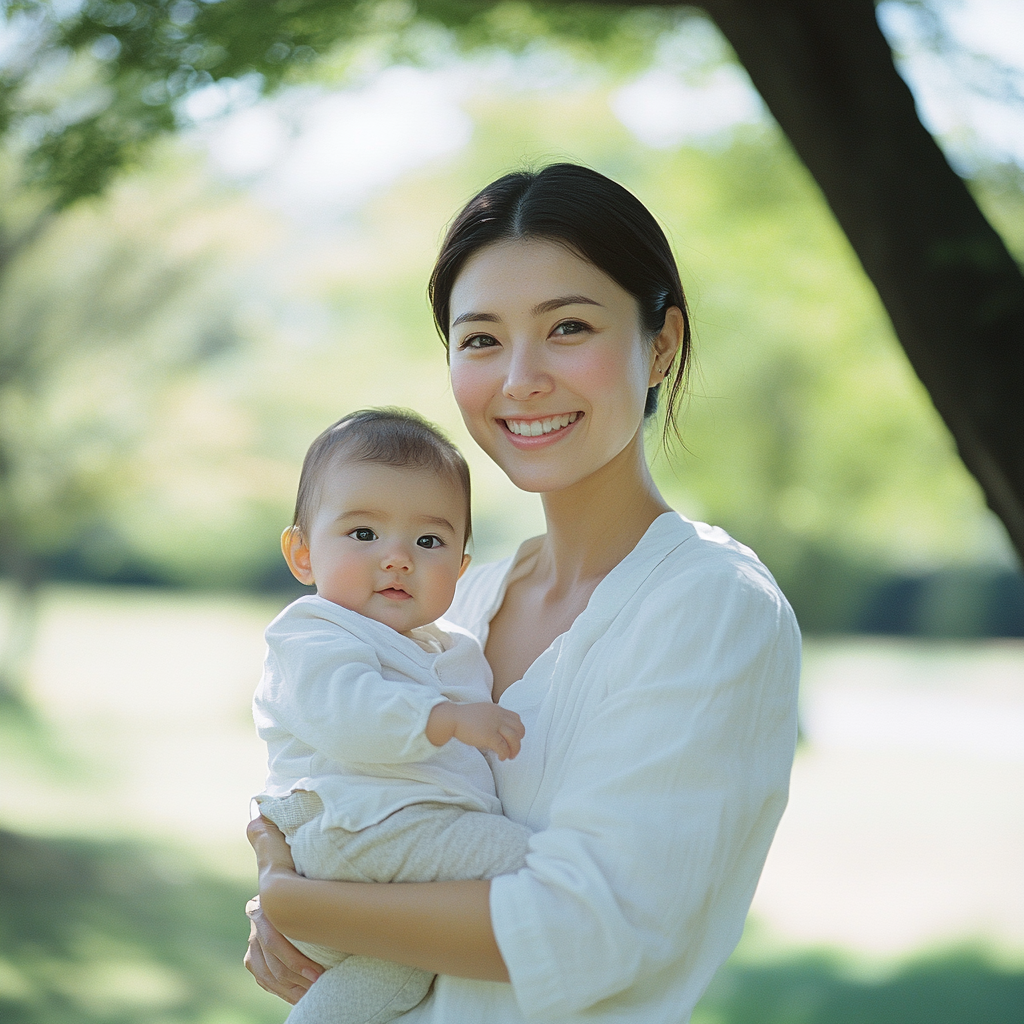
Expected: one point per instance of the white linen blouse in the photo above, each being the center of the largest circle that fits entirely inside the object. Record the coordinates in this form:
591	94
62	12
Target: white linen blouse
660	732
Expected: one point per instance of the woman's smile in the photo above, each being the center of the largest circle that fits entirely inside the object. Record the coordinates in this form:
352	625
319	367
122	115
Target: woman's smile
540	430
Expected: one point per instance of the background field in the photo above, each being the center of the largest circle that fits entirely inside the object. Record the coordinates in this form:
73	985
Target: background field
169	348
893	893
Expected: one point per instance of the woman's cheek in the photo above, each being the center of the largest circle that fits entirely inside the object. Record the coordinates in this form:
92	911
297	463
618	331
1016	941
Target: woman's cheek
609	375
473	388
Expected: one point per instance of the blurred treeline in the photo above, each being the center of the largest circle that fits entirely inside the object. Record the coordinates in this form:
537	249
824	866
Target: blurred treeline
189	336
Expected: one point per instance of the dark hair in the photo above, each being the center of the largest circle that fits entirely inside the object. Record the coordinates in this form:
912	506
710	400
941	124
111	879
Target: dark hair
391	437
597	219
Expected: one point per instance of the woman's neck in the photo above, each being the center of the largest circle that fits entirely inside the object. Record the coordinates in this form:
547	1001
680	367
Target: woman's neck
595	523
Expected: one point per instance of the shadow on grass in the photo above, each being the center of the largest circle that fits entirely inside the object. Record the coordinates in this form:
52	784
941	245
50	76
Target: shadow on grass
125	933
120	933
956	987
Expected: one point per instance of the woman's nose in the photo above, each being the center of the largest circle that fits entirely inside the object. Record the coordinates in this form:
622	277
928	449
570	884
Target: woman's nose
526	376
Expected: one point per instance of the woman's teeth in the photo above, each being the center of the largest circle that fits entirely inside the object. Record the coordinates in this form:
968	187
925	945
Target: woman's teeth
534	428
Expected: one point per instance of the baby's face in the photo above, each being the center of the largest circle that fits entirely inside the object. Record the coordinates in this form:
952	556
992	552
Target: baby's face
387	542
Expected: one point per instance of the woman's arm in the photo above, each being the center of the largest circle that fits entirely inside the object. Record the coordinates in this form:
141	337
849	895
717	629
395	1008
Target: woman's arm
443	927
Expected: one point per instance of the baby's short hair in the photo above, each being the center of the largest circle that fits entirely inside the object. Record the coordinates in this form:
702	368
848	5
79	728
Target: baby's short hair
390	437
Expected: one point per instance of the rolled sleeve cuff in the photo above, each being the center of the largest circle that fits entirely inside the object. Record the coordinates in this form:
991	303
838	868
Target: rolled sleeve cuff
525	948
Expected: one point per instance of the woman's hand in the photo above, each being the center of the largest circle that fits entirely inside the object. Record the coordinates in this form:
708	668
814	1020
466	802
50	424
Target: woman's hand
270	846
271	959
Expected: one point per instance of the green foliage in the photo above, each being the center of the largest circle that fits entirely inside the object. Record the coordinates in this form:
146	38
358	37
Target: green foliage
98	321
145	56
957	987
806	435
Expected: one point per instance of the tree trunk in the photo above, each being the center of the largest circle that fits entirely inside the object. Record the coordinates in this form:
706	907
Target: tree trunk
953	292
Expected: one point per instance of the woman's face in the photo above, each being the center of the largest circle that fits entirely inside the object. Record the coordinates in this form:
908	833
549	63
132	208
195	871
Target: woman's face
548	362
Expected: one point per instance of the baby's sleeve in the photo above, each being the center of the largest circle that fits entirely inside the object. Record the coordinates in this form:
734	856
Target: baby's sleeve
325	687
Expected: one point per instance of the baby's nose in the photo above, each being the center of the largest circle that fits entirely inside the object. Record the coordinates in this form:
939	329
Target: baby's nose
397	561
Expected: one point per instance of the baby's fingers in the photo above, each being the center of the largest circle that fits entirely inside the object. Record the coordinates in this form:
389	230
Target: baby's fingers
513	738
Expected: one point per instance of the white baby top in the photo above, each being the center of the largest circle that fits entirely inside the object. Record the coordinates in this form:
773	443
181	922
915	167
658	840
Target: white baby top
343	705
660	732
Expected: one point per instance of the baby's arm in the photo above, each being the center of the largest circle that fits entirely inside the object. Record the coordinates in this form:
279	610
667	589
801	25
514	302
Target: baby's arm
483	725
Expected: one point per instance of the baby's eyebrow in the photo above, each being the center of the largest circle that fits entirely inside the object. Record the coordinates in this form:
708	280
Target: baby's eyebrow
376	513
361	513
437	521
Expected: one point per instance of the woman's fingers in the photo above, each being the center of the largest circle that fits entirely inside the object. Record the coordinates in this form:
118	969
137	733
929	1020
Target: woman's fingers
274	962
269	843
256	965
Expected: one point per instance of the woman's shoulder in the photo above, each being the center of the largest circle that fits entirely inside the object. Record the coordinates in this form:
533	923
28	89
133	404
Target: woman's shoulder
708	610
704	572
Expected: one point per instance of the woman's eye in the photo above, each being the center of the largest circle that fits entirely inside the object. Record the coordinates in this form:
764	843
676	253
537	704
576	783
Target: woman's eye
570	327
430	541
363	533
477	341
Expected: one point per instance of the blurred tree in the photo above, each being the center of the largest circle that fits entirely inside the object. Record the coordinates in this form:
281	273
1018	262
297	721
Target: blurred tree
952	290
99	317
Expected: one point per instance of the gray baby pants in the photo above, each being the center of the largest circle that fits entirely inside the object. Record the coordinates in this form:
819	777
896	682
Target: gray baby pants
429	842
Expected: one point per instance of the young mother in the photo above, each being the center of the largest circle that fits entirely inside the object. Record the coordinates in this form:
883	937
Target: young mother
653	660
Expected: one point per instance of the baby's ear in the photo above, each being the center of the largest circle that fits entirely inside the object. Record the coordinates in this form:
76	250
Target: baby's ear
466	559
296	554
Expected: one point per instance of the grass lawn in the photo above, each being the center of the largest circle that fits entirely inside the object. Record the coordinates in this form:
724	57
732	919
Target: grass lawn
893	894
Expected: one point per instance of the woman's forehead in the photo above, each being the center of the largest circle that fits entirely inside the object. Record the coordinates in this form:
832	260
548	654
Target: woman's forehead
528	273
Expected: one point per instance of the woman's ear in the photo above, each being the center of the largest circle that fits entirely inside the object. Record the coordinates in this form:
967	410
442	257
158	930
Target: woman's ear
666	344
296	554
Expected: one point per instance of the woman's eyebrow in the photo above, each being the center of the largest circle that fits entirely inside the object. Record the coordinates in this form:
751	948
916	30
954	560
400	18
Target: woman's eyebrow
550	305
462	318
547	306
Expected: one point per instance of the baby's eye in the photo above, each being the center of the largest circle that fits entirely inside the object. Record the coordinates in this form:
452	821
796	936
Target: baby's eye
477	341
430	541
570	327
363	533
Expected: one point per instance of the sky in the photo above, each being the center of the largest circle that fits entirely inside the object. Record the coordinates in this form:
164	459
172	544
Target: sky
313	152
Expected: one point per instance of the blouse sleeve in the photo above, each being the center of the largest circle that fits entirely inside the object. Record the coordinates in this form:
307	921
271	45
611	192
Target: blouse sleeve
326	689
667	802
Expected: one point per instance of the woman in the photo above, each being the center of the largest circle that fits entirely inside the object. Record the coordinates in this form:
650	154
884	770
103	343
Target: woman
653	660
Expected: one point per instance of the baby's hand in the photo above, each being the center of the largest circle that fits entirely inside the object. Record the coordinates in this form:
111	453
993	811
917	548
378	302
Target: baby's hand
485	726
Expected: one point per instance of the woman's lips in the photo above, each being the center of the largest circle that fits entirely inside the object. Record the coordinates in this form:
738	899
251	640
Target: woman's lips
539	430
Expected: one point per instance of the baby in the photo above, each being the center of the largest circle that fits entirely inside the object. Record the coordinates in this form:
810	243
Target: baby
375	717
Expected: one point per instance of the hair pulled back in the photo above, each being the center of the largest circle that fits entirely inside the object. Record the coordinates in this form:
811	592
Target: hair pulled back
597	219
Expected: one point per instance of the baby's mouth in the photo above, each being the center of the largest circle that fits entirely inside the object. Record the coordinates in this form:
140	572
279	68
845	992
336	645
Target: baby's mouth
395	594
535	428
